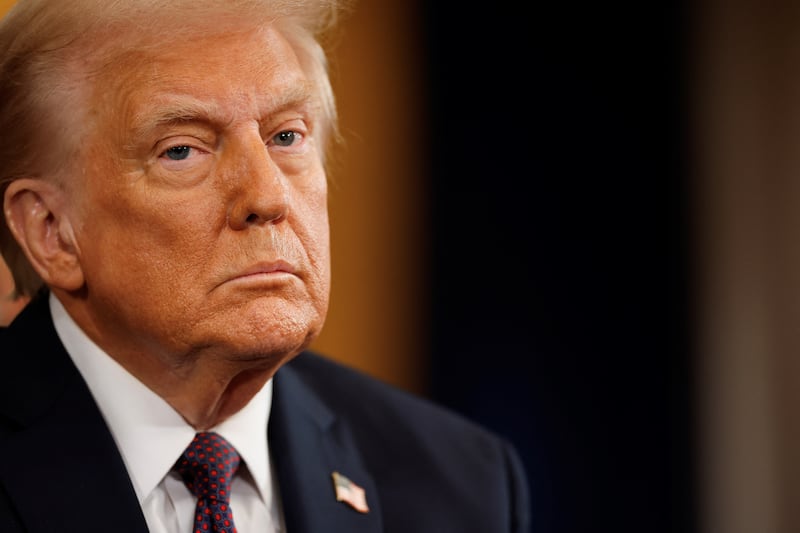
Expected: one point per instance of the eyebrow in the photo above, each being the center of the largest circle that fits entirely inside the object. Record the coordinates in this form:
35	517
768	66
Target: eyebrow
184	108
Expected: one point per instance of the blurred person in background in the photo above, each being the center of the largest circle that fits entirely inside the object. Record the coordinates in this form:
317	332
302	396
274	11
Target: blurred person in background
10	302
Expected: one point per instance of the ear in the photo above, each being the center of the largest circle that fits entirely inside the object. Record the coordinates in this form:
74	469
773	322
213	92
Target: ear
35	214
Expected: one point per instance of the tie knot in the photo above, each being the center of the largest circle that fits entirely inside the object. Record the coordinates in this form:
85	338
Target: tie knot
208	465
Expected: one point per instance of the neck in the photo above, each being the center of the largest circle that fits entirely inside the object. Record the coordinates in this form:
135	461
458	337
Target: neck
205	386
205	390
204	399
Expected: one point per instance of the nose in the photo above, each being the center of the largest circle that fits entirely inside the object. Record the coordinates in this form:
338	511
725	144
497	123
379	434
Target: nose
260	190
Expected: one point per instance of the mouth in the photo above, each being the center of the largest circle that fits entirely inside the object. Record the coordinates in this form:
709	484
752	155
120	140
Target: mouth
272	267
271	272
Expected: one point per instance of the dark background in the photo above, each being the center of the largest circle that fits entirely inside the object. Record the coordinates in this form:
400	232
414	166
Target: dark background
561	250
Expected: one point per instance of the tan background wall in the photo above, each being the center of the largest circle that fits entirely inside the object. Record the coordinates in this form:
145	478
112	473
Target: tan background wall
377	319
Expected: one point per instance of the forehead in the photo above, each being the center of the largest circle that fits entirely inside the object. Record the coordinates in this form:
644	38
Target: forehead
222	74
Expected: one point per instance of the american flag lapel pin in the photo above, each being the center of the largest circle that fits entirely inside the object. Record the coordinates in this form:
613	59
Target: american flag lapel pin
349	493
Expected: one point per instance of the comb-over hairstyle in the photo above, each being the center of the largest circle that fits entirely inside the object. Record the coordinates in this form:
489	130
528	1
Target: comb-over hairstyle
48	48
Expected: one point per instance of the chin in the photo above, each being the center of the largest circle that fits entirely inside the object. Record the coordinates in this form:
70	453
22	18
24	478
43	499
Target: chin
274	337
263	328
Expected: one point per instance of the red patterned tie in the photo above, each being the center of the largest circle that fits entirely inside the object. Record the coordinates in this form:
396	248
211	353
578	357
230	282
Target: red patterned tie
207	467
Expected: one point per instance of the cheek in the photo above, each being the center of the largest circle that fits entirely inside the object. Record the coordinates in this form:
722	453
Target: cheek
310	225
321	266
137	244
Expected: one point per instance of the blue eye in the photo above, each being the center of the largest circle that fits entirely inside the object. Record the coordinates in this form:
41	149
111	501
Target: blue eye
178	153
285	138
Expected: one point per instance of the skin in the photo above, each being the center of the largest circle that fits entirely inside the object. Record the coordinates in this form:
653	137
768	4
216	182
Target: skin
190	239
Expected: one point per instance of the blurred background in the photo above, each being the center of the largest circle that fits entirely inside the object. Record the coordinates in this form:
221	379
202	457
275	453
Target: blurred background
511	237
577	224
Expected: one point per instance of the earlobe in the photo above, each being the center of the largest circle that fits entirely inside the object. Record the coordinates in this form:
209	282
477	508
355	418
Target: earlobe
33	212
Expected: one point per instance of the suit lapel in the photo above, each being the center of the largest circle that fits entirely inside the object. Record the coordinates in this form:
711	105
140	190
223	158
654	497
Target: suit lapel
307	444
61	467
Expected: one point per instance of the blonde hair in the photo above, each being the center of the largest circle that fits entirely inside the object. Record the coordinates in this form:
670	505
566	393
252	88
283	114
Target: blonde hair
45	44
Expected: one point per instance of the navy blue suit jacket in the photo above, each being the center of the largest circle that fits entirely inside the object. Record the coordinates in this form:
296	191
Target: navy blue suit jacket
424	469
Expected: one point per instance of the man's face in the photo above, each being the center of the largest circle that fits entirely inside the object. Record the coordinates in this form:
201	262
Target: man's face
200	215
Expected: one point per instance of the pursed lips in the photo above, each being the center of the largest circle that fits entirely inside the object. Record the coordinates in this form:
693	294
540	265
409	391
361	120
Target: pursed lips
270	269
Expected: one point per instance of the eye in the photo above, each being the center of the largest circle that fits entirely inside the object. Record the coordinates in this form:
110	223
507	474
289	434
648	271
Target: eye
174	156
177	153
286	138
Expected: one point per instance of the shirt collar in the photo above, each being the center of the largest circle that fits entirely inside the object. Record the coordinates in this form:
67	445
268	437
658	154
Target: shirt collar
149	433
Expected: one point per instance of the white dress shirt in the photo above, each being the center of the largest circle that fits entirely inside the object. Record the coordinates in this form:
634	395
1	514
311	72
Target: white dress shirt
151	436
